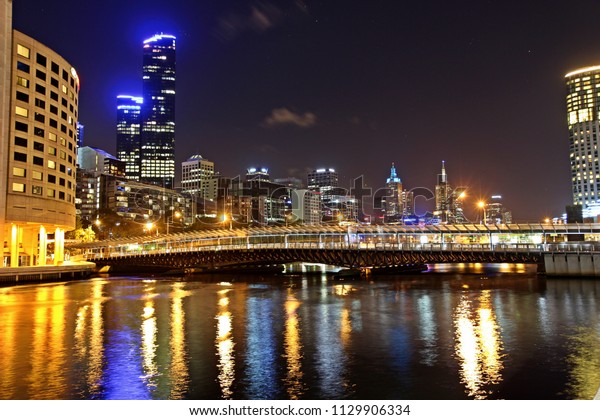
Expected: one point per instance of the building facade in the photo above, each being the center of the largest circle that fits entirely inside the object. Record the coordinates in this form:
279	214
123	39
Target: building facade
40	99
129	119
583	121
196	176
306	207
157	150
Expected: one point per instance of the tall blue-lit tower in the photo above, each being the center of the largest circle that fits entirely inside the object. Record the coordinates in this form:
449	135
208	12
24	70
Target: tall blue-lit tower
157	151
129	121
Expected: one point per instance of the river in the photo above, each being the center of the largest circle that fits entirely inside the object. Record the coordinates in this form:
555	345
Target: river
445	334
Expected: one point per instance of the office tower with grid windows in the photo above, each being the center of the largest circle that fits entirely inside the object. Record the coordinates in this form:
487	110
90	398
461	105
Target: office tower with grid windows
129	120
583	121
157	146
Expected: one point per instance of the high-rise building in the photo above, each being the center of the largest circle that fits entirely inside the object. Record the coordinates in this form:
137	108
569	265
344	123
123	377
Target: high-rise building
157	151
38	118
196	176
129	119
392	202
323	181
583	120
306	207
80	133
442	196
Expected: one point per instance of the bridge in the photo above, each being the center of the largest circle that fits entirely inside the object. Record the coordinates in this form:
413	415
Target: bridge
358	246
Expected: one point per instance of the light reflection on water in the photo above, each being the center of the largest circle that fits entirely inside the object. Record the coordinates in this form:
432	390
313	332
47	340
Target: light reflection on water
428	336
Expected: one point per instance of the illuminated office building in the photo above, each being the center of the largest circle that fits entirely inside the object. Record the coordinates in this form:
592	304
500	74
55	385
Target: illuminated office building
38	122
129	119
196	176
157	151
583	119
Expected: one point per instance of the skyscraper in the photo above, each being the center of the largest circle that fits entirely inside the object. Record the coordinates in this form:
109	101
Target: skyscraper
129	119
392	202
583	119
157	151
442	195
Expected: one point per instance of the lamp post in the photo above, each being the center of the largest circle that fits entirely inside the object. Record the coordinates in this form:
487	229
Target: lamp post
175	215
227	218
482	205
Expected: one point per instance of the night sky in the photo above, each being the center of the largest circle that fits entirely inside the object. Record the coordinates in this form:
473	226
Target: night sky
354	85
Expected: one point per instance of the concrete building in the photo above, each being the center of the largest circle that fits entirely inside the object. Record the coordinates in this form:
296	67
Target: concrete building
196	176
583	121
306	207
39	101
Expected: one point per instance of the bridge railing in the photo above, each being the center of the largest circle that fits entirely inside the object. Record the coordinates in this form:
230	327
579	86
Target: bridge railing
342	243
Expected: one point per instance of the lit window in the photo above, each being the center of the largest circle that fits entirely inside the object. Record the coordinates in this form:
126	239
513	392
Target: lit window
21	81
36	175
21	111
18	187
20	172
36	189
50	192
51	164
23	51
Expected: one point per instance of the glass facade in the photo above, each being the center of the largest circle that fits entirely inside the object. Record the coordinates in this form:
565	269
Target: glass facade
157	151
129	119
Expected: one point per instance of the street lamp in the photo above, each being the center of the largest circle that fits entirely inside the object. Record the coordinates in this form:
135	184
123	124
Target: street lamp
175	215
149	226
482	206
227	218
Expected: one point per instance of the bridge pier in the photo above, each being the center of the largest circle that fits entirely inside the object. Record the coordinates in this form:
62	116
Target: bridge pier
572	264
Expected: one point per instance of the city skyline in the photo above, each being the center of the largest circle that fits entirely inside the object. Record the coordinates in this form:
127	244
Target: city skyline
294	85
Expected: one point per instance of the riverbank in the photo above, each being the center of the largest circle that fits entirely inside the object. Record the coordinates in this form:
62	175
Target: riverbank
46	274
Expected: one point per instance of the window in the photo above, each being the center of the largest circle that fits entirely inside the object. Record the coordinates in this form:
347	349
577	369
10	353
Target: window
61	195
37	131
41	60
63	155
40	89
23	51
54	124
51	164
21	81
19	126
20	141
22	96
23	67
20	172
65	75
64	89
61	182
21	111
54	82
52	179
54	67
52	151
63	115
52	136
54	96
40	103
54	109
36	190
64	102
36	175
18	187
40	75
63	128
38	161
38	146
39	117
63	168
20	157
50	192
